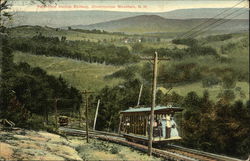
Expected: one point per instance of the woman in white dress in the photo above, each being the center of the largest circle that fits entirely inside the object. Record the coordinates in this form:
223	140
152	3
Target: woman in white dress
174	131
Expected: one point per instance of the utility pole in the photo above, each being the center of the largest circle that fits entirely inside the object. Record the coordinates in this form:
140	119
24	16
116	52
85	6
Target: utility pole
85	92
56	115
139	97
154	83
96	113
153	103
55	109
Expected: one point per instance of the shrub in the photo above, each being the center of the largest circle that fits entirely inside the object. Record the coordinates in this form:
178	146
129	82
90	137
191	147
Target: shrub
229	81
188	41
114	149
210	81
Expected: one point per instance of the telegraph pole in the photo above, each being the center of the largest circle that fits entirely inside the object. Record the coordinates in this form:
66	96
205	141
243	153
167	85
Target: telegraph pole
154	83
55	107
153	103
85	92
139	97
96	113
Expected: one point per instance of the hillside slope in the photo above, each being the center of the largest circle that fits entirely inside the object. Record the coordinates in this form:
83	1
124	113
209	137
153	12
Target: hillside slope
79	74
21	144
154	23
63	19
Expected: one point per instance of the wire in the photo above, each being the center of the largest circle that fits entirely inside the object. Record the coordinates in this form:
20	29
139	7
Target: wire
222	22
213	17
210	19
190	35
214	23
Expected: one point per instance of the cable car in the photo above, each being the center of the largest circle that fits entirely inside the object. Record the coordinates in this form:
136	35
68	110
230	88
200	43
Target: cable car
135	124
63	120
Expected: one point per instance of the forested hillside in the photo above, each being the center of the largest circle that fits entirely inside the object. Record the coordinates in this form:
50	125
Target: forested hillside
80	50
28	93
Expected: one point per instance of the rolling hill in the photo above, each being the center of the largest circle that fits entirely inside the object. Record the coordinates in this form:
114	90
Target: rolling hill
198	13
155	23
67	18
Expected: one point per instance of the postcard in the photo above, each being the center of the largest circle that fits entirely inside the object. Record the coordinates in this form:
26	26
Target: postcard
124	80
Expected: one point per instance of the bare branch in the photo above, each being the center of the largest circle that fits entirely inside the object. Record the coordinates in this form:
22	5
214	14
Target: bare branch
4	5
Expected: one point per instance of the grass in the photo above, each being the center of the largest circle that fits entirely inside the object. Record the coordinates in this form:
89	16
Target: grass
30	31
118	40
79	74
213	91
101	150
83	75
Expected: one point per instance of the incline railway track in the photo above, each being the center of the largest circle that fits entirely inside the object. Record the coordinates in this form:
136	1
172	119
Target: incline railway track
171	152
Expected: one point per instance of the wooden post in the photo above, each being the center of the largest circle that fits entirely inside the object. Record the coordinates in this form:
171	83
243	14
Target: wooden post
56	117
181	127
137	124
87	121
111	118
120	124
139	97
154	82
86	113
133	120
96	113
130	124
146	127
153	104
80	116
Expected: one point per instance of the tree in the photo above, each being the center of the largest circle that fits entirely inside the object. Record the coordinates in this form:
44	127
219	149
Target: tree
229	81
192	100
159	97
137	47
26	91
63	38
226	96
117	99
7	72
5	16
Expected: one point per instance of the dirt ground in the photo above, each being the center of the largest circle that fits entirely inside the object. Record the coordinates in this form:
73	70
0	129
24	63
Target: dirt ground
21	144
102	150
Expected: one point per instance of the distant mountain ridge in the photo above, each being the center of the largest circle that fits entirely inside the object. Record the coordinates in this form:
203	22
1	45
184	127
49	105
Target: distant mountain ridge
206	13
72	18
155	23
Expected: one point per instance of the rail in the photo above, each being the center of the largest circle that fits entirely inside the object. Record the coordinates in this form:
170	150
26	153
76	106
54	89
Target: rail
172	152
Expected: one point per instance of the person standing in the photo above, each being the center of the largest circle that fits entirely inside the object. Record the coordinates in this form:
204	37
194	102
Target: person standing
174	131
168	126
163	126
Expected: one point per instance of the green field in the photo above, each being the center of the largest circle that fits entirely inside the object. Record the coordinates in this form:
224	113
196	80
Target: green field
84	75
116	39
213	91
79	74
30	31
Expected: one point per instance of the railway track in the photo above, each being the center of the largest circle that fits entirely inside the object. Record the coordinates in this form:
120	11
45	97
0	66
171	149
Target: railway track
171	152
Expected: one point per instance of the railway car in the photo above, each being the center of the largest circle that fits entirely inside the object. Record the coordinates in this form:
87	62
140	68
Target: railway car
63	120
135	124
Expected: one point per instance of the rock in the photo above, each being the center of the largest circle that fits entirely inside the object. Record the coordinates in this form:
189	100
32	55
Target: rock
6	151
32	145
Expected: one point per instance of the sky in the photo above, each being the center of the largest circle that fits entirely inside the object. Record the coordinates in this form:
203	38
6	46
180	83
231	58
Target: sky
124	5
